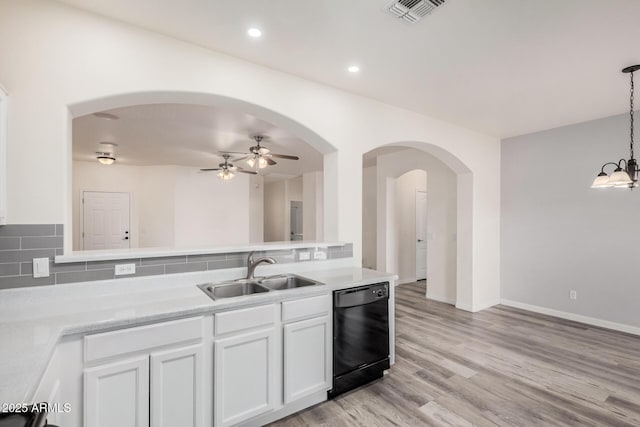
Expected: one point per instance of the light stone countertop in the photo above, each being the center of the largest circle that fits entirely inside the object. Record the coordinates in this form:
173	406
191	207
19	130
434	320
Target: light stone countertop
33	320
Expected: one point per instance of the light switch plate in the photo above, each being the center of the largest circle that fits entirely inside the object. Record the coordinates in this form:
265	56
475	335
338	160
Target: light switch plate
123	269
304	256
319	255
40	267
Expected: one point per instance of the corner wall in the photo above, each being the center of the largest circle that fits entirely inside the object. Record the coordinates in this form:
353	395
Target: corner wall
558	234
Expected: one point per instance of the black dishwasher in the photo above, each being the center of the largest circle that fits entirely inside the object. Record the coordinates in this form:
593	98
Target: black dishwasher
360	336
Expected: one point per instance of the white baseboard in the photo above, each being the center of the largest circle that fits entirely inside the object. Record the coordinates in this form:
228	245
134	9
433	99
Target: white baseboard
575	317
405	280
462	306
441	298
486	305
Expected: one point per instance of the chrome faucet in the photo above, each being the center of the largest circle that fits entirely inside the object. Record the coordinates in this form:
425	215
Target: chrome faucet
252	264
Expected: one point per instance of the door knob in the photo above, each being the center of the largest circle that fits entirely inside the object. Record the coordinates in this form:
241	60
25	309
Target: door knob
420	240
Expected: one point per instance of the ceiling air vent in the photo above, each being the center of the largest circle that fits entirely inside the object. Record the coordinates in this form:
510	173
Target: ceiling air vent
413	10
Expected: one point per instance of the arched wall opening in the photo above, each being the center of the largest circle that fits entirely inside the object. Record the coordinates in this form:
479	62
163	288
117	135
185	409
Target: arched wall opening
387	184
329	214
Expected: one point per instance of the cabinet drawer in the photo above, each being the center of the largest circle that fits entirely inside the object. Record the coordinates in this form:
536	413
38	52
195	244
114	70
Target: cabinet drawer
124	341
305	308
244	318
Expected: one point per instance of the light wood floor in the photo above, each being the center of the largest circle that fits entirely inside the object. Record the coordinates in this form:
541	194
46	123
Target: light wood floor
501	366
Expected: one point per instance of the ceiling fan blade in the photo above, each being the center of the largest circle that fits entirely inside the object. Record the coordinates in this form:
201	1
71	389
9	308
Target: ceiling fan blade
264	150
234	152
246	171
284	156
210	169
242	158
270	161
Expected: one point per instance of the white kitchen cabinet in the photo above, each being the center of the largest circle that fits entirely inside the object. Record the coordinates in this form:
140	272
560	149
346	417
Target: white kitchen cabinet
244	379
176	387
307	358
117	394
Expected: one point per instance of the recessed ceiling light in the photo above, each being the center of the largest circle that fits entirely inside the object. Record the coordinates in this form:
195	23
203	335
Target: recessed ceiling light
254	32
353	69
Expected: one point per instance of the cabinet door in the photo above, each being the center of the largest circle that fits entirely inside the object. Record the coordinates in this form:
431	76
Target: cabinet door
176	387
244	376
117	394
307	358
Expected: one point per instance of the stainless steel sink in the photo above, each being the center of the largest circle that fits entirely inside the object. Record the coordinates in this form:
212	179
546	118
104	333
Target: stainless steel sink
242	287
287	281
233	289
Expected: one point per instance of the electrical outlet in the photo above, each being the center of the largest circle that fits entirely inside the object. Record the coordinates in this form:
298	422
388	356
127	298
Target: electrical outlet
319	255
304	256
123	269
573	294
40	267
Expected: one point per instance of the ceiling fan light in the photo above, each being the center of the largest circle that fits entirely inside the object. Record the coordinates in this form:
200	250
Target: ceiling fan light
601	181
620	178
225	175
106	160
251	162
262	163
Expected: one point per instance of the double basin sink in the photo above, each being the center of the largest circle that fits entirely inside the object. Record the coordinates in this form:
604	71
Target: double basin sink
240	287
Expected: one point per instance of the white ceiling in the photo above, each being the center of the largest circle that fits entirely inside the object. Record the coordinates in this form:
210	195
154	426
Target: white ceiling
503	67
188	135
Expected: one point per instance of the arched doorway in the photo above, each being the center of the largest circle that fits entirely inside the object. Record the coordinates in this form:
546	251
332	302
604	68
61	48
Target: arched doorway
395	243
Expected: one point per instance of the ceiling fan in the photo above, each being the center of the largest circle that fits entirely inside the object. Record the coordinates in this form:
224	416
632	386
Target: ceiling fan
261	156
227	169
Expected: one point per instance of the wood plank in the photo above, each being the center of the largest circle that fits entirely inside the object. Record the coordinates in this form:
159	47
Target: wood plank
502	366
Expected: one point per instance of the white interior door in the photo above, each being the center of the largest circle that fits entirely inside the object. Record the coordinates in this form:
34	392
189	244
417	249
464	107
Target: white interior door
296	220
106	219
421	235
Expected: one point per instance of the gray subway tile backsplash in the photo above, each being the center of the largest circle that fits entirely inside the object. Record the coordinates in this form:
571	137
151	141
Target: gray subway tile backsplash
149	270
25	255
42	242
28	230
24	281
9	243
12	269
20	243
163	260
228	263
185	268
84	276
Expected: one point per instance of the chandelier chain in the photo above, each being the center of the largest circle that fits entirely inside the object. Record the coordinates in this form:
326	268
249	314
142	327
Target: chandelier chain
631	113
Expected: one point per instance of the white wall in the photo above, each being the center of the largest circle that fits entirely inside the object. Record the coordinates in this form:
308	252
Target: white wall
157	206
369	217
313	205
174	206
558	234
75	58
209	210
274	211
256	209
405	223
442	221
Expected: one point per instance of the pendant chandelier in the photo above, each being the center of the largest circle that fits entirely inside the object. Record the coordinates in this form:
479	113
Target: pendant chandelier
625	174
